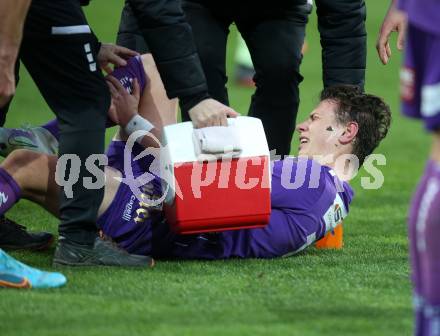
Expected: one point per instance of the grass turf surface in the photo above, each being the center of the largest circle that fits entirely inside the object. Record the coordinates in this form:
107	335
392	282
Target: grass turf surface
362	290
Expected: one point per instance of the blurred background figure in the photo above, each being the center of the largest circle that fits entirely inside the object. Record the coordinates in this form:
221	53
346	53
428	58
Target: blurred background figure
244	69
420	96
274	34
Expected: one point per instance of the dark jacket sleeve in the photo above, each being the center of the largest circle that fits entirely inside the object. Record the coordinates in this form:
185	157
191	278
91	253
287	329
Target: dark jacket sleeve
169	37
341	25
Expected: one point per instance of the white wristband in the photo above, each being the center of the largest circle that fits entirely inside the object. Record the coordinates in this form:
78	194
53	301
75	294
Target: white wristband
137	123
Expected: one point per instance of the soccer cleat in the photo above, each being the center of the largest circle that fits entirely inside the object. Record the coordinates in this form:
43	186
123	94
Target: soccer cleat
13	281
103	252
37	139
14	274
15	237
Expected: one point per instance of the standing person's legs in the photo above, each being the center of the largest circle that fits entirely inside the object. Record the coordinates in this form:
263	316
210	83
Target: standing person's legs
341	25
12	235
60	54
130	36
420	83
275	46
424	232
415	256
210	34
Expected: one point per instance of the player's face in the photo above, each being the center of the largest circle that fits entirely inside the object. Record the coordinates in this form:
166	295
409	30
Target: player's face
318	133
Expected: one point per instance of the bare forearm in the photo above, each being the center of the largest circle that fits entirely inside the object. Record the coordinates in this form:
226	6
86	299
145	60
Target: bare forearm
12	17
393	4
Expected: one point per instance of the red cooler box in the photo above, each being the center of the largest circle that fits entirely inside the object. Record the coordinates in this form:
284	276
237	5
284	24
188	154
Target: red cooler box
217	194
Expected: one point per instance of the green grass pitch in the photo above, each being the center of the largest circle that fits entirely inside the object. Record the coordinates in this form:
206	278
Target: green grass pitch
363	289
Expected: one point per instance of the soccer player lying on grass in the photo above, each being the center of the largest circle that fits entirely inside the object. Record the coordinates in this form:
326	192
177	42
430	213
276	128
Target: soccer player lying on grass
346	121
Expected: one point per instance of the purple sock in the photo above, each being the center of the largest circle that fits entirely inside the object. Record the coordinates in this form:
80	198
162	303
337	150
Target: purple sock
424	230
52	127
9	191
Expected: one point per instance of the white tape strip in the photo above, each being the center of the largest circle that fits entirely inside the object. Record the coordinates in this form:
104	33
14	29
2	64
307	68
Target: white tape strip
70	30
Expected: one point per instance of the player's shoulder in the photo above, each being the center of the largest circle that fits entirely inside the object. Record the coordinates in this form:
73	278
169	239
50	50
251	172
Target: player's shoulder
299	172
309	182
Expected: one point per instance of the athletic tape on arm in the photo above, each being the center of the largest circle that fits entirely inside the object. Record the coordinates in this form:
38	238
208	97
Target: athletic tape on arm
137	123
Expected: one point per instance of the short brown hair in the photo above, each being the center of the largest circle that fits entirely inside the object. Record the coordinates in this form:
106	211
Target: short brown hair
370	112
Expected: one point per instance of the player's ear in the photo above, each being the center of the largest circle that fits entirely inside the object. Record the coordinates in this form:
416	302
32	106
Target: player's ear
349	133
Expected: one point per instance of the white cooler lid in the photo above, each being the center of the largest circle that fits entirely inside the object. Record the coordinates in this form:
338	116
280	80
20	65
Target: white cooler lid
179	147
178	139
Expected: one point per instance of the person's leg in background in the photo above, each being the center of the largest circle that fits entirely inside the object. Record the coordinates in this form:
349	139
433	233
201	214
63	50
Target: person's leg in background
60	53
424	232
429	248
420	99
66	73
129	36
244	69
341	25
210	34
277	58
416	256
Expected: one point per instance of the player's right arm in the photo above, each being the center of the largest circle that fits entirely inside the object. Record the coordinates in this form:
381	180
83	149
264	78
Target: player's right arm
12	17
394	21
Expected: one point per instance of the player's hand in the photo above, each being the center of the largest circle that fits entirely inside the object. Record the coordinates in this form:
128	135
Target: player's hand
394	21
113	54
7	81
124	106
210	112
